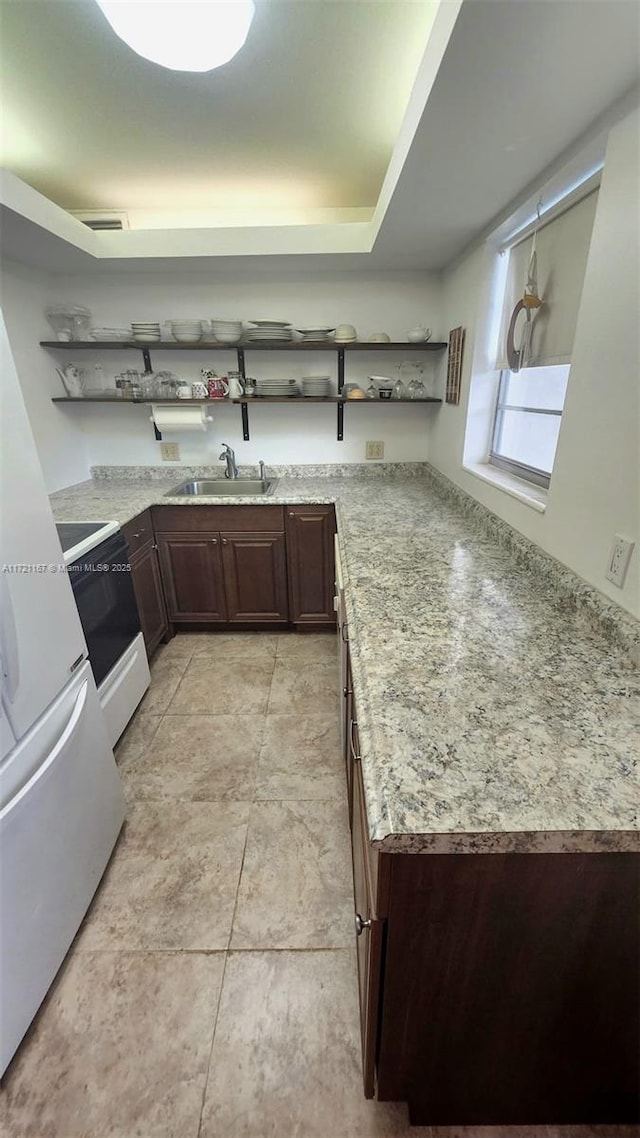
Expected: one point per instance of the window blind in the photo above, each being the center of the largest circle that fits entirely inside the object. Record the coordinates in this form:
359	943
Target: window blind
562	248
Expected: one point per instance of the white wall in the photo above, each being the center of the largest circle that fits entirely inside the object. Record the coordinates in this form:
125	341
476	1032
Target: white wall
594	491
61	442
279	434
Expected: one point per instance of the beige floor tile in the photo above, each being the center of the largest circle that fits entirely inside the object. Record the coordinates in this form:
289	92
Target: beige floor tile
318	646
217	688
236	645
302	686
120	1049
199	758
180	647
137	737
295	888
300	758
286	1053
173	879
165	677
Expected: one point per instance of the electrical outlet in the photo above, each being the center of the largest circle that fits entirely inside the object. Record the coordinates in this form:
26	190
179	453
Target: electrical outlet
619	559
170	452
374	450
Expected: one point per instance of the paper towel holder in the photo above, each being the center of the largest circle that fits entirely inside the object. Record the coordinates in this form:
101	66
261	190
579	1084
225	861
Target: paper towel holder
158	433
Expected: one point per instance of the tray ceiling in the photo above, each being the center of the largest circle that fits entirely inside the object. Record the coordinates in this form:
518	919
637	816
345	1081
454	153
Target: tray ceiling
301	124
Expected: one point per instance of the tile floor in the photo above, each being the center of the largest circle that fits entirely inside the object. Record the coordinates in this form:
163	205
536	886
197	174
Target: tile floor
211	991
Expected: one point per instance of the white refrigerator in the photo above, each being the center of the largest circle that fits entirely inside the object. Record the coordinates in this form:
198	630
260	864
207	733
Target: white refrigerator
61	800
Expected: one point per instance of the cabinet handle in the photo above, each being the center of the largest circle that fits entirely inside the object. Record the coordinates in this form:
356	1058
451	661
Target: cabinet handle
356	756
154	547
214	541
361	925
135	535
344	632
291	514
347	692
224	541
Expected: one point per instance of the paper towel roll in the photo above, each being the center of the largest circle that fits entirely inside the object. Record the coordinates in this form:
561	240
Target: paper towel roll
176	418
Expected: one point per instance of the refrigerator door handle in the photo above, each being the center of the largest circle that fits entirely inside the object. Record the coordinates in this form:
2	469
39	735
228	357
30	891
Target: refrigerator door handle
8	643
69	729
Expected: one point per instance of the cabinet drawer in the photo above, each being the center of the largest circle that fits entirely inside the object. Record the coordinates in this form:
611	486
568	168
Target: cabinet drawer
138	532
213	519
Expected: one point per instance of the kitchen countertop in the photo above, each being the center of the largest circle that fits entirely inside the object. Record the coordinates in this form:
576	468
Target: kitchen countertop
498	706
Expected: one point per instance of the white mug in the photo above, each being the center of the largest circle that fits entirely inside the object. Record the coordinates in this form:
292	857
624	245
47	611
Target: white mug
184	392
199	391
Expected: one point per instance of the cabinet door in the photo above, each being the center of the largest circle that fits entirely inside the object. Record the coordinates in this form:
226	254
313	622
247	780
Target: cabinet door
310	558
255	576
147	586
192	576
369	936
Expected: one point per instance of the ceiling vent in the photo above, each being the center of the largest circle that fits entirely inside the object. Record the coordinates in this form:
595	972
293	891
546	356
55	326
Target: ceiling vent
104	219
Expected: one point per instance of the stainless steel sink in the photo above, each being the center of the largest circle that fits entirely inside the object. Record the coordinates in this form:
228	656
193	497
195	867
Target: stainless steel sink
215	487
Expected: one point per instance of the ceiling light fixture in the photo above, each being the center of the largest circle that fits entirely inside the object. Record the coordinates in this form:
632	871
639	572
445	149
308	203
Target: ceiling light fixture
194	35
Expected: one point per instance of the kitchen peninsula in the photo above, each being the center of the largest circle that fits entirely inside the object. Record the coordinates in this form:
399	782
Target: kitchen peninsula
494	783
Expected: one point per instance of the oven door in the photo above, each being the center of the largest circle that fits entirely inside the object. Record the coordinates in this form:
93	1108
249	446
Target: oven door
103	592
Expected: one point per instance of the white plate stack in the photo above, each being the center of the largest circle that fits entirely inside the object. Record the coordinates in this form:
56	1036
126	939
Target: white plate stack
314	335
107	334
268	330
316	386
146	332
276	388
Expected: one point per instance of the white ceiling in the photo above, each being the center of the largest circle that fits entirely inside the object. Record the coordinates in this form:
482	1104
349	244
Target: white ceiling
517	82
304	118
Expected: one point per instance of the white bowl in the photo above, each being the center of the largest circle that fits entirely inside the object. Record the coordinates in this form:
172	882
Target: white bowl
187	337
380	338
146	338
227	337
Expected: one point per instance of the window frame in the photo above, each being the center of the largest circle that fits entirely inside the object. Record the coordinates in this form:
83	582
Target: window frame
512	466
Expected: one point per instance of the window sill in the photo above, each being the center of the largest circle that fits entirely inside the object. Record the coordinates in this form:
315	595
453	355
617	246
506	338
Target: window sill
533	496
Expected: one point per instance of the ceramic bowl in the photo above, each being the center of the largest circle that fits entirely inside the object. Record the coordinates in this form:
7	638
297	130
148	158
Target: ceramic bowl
345	332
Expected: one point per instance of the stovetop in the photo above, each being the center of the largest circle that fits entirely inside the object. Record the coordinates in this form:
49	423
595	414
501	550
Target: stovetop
77	538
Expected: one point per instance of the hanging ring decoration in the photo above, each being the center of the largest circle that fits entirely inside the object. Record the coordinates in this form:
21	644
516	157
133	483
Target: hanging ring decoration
515	355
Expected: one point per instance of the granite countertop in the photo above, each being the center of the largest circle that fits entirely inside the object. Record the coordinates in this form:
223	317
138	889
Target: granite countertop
498	704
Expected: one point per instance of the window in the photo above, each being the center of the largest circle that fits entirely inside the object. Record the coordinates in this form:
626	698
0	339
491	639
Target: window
527	422
530	402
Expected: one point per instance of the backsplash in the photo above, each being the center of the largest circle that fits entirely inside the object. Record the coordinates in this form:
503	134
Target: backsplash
324	470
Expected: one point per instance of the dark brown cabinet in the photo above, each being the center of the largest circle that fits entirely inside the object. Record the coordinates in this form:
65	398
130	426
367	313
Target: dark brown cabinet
223	565
310	560
193	576
369	931
255	575
495	989
146	579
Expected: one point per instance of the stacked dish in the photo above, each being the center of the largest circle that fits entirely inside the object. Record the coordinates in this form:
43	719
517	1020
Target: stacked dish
315	334
345	334
226	331
186	331
104	334
316	386
276	388
146	332
279	330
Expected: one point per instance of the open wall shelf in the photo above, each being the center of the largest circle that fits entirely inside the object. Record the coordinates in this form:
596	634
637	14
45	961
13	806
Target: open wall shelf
240	349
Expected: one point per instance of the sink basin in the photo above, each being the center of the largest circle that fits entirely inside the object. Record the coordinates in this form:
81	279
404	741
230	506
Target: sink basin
234	488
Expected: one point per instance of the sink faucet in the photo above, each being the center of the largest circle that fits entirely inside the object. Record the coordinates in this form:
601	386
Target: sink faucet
229	456
263	473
